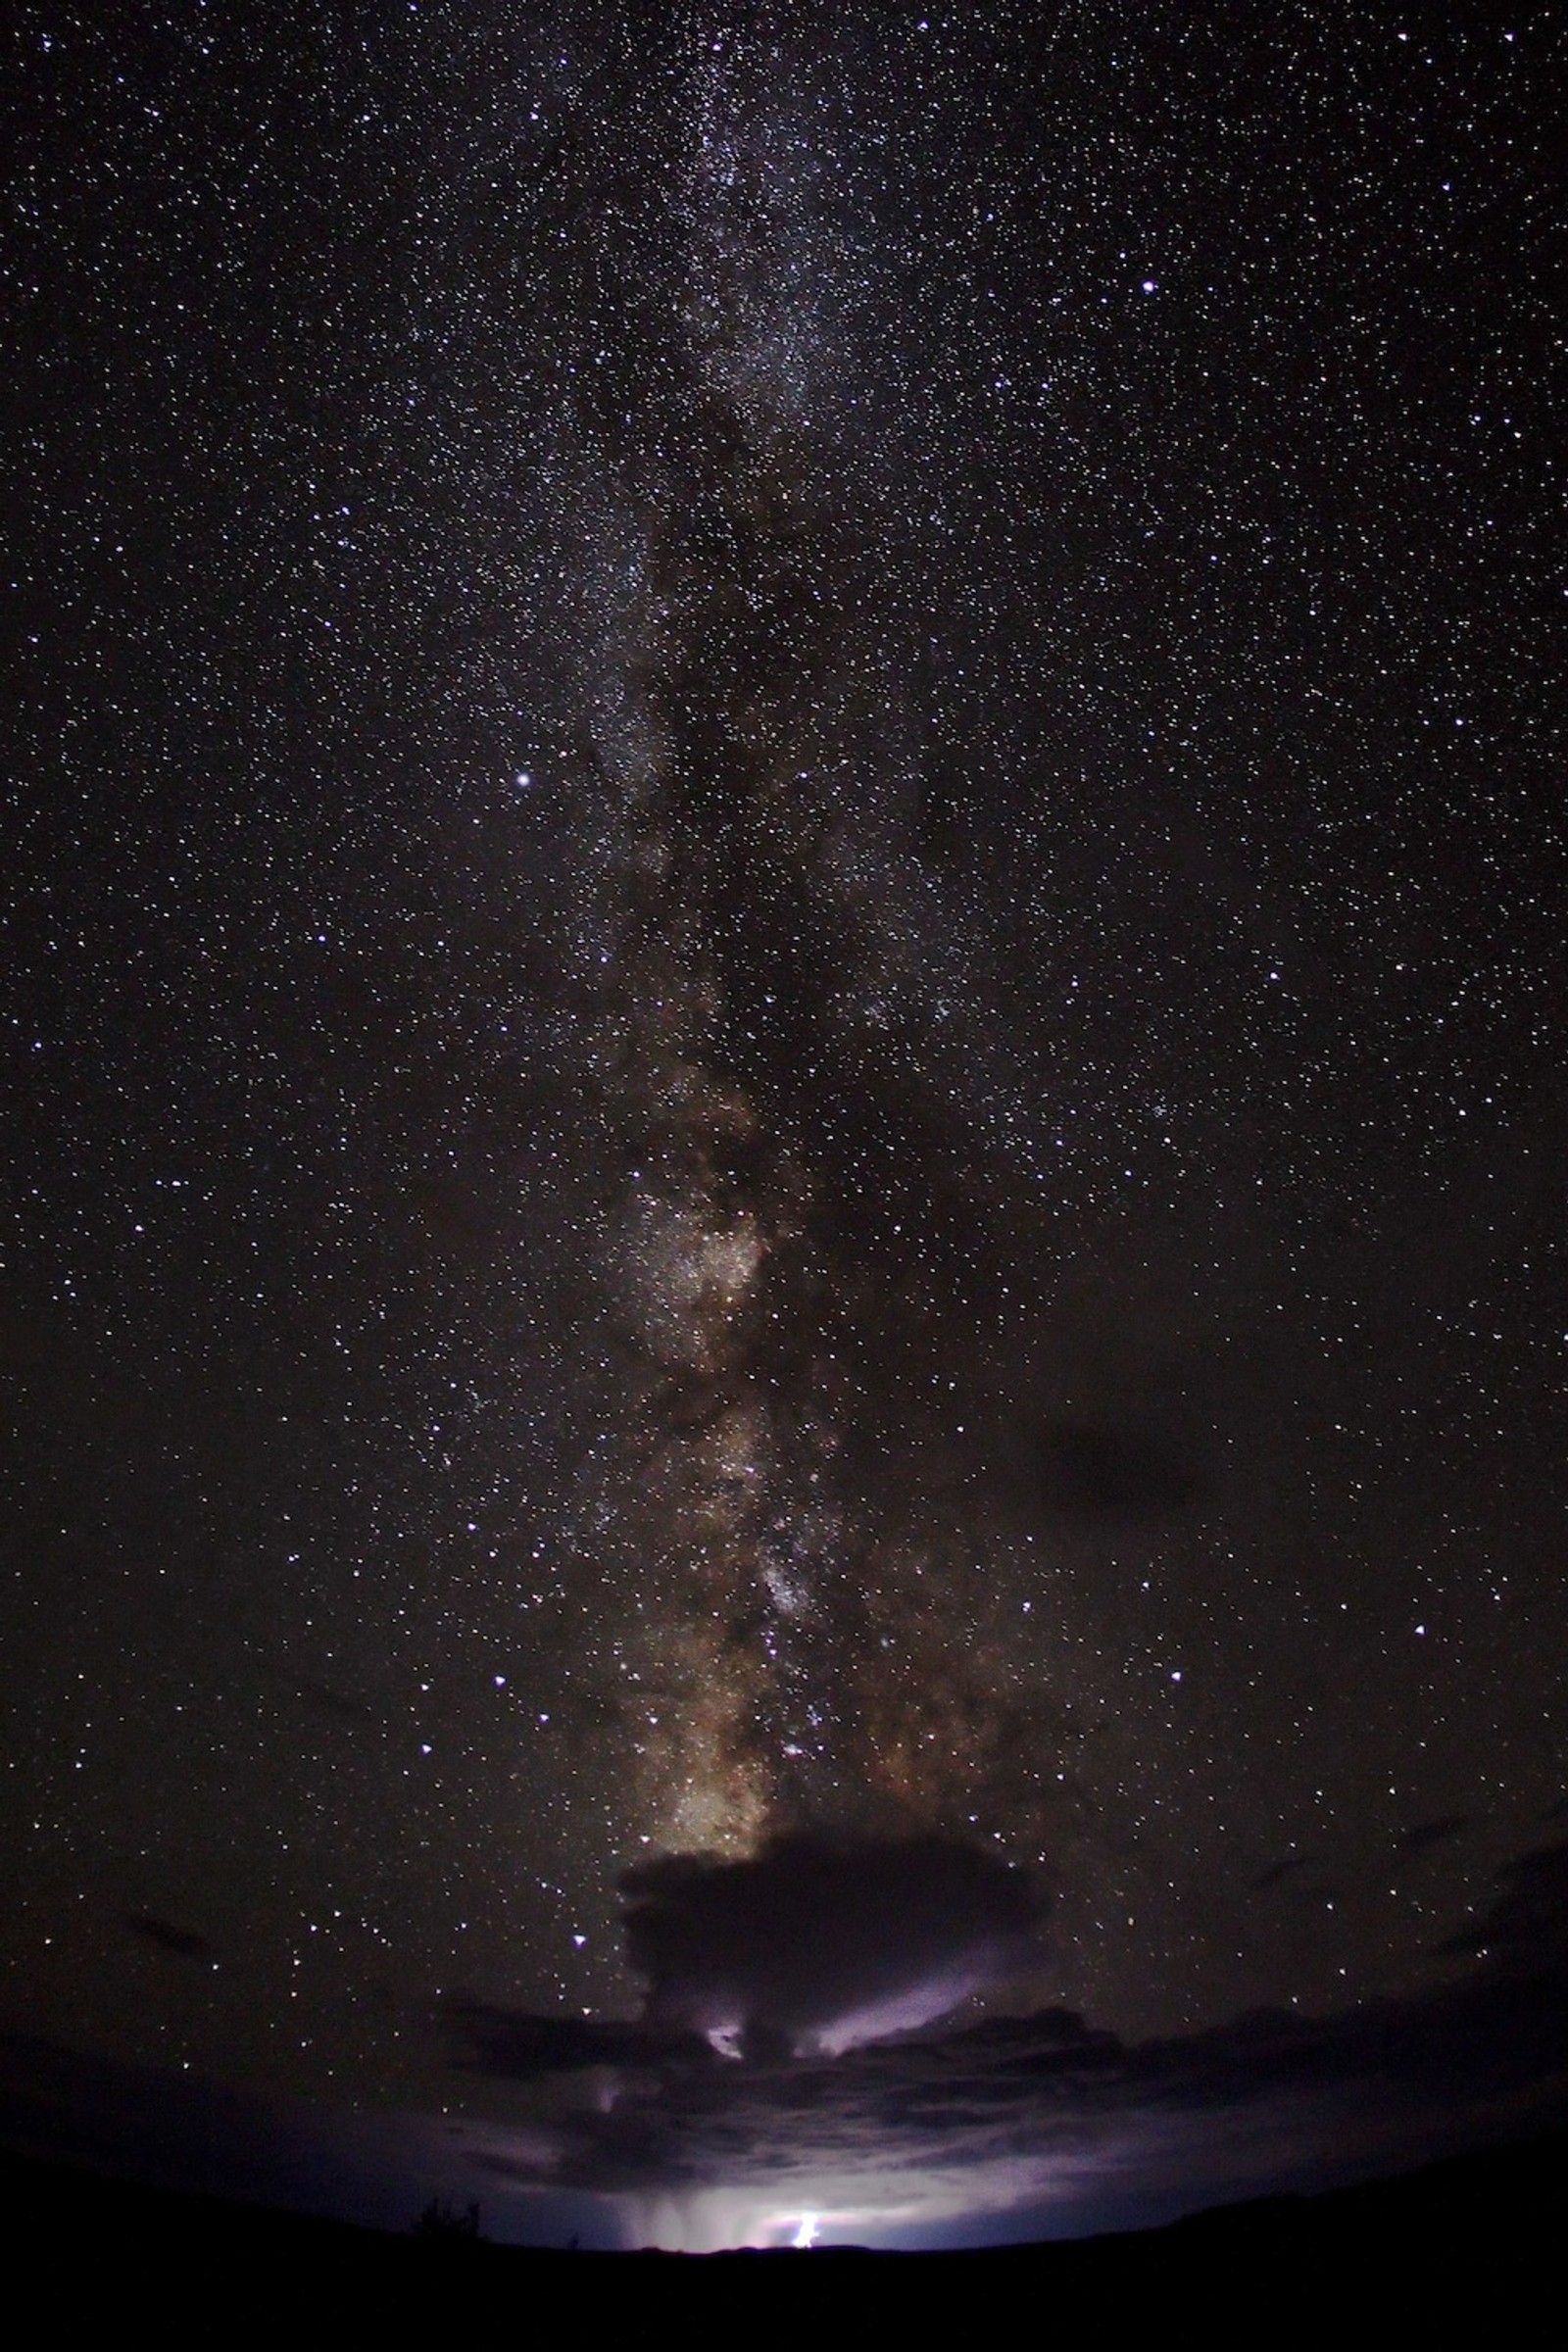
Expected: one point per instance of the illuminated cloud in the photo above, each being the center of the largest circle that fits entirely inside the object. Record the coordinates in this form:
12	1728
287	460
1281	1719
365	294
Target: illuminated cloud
822	1944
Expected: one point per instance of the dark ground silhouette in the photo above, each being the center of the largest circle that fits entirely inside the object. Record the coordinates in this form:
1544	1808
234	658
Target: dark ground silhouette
1473	2240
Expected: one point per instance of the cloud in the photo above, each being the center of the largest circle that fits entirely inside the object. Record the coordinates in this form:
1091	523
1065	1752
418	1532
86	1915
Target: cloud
1041	2126
324	1699
1525	1928
1277	1871
183	1942
522	2044
1094	1468
1023	2126
1424	1834
819	1943
1017	2127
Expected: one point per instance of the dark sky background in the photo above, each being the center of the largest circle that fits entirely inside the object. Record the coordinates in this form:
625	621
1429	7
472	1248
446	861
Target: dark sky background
783	1210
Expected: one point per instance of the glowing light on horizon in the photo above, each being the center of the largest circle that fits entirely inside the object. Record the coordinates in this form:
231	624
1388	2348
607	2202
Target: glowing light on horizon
805	2235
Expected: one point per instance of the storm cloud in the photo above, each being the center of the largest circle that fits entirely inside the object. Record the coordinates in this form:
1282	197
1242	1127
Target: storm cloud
1027	2127
1032	2126
819	1943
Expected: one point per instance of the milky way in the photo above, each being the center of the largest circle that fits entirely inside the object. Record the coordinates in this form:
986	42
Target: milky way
816	1547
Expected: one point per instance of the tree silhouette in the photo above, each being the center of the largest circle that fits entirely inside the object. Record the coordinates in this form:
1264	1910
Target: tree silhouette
444	2222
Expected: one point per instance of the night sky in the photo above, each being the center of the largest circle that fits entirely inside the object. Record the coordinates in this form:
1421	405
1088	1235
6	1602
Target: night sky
785	930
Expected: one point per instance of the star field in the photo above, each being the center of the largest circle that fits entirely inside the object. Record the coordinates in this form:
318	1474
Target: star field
783	981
